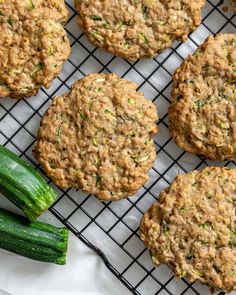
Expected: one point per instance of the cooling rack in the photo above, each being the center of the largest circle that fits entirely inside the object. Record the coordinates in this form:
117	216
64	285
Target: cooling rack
112	229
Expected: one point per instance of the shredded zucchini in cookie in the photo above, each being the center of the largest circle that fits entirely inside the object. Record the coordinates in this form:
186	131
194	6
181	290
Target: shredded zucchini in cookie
192	228
34	45
99	137
203	109
138	29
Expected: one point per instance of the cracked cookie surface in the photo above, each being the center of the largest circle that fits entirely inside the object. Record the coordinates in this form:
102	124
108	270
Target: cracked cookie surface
99	137
33	45
192	227
202	114
136	29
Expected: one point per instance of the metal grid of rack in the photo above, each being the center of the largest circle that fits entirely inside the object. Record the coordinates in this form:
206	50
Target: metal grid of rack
112	229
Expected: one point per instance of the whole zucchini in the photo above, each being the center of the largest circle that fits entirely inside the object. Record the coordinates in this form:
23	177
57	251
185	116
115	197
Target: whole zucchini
38	241
23	185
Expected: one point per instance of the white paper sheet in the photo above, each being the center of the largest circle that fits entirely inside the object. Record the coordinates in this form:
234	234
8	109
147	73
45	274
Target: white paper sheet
84	273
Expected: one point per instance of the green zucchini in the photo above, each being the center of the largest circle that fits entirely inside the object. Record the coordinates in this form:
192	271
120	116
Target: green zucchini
23	185
38	240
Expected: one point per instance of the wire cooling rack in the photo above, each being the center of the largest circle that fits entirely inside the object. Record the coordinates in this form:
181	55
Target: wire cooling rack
112	229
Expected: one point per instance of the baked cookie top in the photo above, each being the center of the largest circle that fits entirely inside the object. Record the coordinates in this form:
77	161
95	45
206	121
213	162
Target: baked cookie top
136	29
33	45
203	111
98	137
192	228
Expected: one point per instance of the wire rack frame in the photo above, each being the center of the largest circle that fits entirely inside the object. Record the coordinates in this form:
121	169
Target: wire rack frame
14	138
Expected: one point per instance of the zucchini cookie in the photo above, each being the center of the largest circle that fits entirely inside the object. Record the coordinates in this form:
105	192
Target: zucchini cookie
202	114
98	137
136	29
234	5
192	228
33	45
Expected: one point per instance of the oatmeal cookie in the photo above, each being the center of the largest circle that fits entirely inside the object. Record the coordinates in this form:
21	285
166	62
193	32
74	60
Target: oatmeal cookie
136	29
99	137
192	228
33	45
203	110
